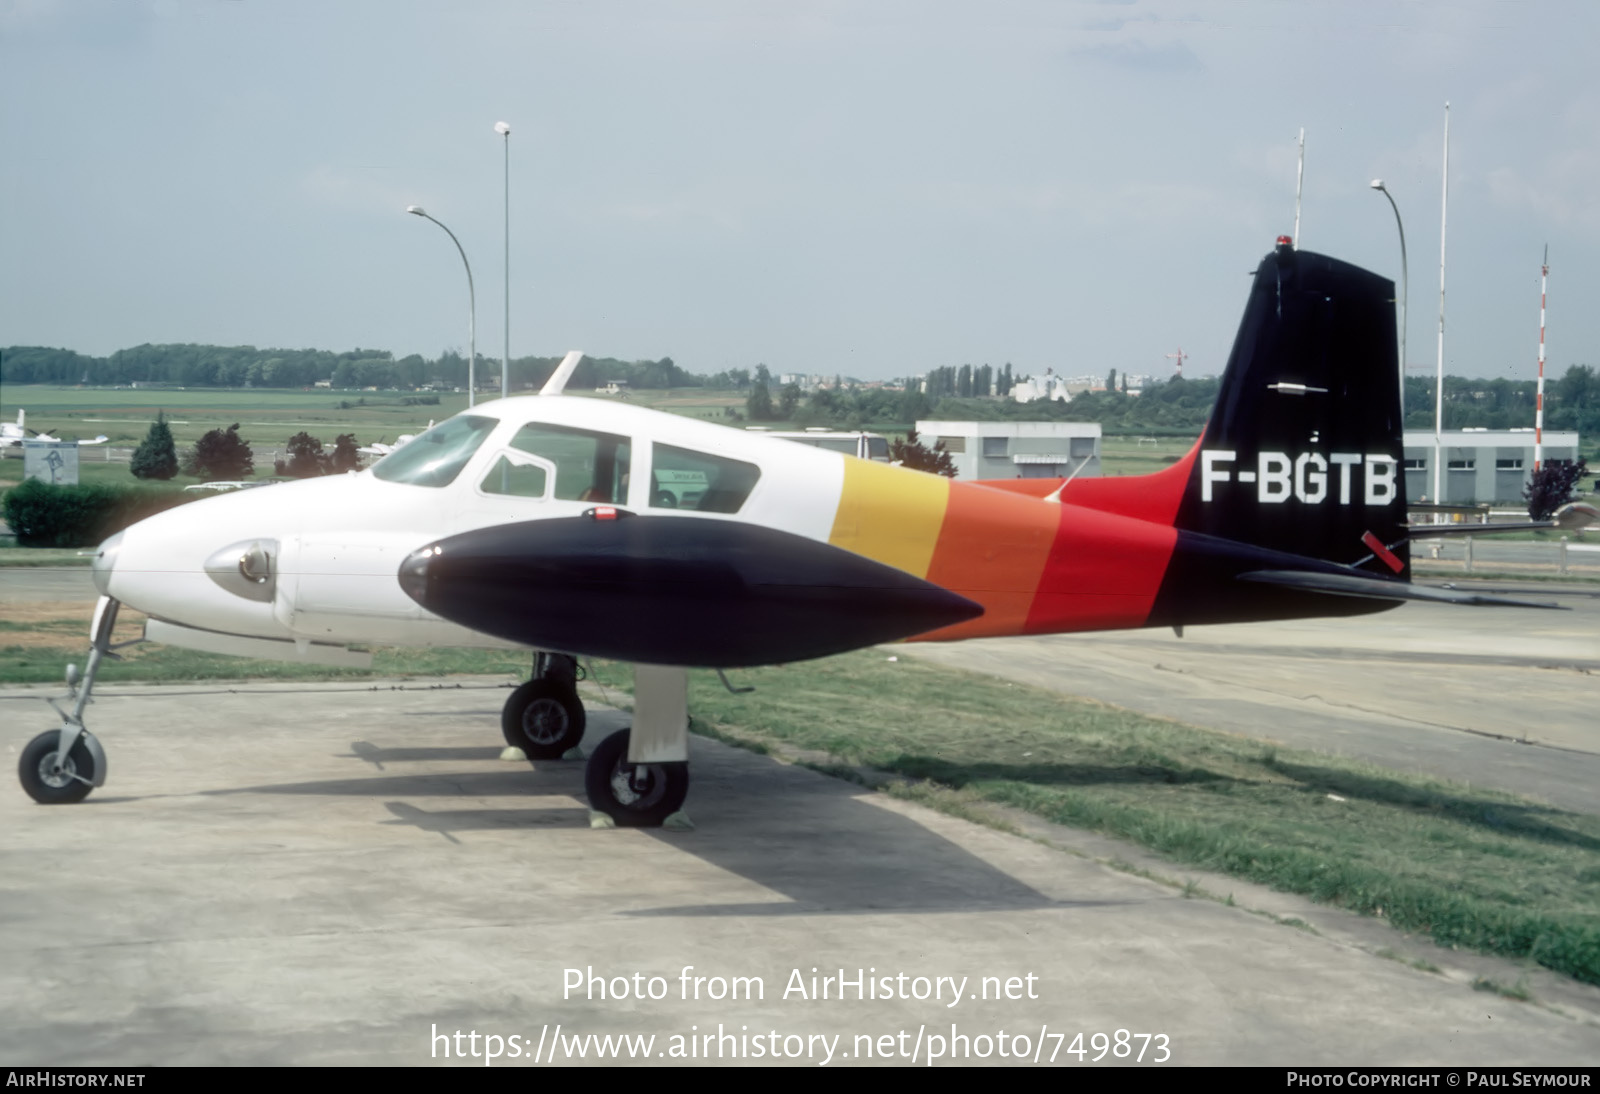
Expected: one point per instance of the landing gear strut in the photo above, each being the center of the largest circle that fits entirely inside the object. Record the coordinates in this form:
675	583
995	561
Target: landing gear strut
61	766
545	717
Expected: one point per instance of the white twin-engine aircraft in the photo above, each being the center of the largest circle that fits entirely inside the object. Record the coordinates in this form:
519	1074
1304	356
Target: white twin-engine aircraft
581	527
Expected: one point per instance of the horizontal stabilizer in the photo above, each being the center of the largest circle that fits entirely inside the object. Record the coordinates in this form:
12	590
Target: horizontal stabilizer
1434	531
1575	516
1377	588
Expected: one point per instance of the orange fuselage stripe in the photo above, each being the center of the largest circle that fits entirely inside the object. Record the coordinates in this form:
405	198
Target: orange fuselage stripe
992	548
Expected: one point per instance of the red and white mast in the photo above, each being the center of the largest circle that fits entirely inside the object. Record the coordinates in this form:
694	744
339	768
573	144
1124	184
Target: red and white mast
1538	411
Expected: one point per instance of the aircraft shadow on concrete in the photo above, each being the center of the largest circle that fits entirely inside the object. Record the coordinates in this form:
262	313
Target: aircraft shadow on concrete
816	840
1523	821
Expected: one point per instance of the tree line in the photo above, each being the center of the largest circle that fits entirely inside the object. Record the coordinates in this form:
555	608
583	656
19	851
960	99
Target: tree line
188	365
1572	401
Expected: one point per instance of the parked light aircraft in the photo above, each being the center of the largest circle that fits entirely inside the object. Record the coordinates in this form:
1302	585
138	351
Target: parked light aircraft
12	435
379	448
581	527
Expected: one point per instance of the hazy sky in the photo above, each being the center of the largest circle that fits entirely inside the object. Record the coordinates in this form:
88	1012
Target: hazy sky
872	187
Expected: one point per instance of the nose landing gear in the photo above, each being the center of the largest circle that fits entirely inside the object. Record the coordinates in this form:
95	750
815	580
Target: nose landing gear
61	766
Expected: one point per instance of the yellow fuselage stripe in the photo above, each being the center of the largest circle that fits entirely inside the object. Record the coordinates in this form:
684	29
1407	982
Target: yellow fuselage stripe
890	514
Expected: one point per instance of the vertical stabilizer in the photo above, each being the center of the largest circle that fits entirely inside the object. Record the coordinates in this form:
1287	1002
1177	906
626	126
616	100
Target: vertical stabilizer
1303	452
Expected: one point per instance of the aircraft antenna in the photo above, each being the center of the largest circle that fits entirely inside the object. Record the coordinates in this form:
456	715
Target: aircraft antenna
1538	411
1299	182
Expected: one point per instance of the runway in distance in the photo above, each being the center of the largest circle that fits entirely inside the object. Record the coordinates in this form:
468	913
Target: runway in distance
580	527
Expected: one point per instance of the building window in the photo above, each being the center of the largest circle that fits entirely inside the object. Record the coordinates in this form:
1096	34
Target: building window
1463	465
1416	465
996	448
1513	463
953	444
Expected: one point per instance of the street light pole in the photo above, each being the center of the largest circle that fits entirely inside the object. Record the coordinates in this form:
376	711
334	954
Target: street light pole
505	369
1405	291
1438	395
472	307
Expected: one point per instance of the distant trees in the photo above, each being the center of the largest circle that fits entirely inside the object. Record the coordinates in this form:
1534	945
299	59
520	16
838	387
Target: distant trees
222	454
788	401
914	454
308	460
157	456
759	405
1552	486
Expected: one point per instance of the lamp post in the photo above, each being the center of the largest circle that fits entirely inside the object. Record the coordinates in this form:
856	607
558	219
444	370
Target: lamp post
1405	282
505	369
472	307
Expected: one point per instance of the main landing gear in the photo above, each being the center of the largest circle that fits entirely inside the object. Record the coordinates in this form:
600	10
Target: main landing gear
61	766
637	777
545	717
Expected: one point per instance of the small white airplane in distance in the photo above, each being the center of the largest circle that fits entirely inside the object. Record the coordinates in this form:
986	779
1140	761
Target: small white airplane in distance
380	449
12	435
581	527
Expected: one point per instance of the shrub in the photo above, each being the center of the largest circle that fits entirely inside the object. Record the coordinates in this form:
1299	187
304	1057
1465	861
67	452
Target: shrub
1552	486
43	515
157	456
222	455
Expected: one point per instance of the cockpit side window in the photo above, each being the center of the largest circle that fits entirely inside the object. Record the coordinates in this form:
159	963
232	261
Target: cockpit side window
517	475
436	457
590	466
681	479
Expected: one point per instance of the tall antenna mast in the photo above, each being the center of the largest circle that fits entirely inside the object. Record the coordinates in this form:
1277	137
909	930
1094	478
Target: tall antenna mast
1438	394
1299	182
1179	357
1538	412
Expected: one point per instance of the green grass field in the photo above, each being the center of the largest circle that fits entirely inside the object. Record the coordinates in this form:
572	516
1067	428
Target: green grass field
269	417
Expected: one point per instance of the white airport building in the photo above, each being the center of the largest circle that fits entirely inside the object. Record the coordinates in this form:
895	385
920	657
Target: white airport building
1480	465
1017	450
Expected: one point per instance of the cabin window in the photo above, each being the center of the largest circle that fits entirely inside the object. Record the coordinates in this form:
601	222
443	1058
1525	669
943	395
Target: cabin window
517	476
436	457
681	479
590	466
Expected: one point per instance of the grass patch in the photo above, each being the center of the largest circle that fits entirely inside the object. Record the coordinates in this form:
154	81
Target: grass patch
38	640
1471	868
52	557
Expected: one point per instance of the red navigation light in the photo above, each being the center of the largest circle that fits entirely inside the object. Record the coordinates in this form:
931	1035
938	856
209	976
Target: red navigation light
1285	241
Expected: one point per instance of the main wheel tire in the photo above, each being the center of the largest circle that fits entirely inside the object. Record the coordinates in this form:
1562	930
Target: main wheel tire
544	719
633	795
49	783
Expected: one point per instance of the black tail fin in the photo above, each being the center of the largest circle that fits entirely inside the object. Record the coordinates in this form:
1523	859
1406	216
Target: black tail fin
1303	451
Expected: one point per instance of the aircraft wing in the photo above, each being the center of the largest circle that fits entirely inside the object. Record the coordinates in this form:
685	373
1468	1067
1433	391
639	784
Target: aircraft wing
1378	588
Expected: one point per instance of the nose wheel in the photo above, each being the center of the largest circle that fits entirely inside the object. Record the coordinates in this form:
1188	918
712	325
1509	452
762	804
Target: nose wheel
50	779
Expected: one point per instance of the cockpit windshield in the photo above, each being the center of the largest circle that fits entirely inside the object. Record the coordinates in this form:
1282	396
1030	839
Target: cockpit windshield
436	457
